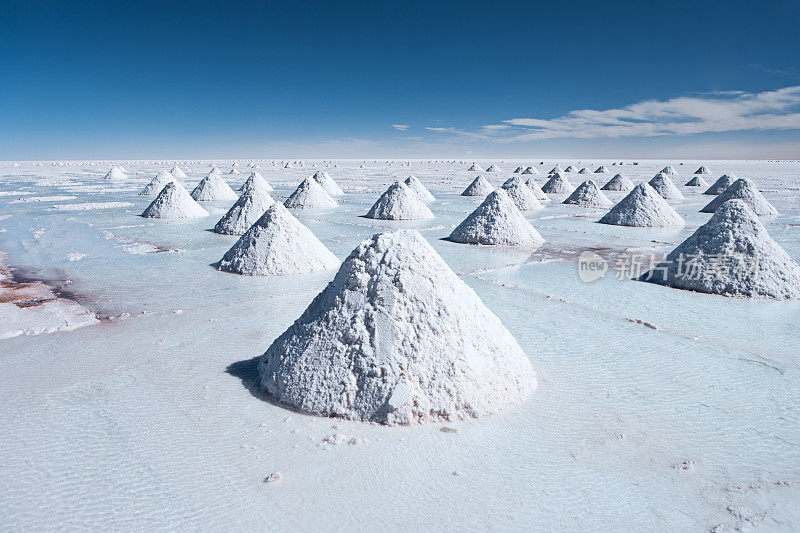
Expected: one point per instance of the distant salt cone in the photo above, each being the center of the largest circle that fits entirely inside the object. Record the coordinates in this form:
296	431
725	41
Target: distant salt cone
518	170
719	186
665	187
214	170
497	221
669	170
277	245
530	170
745	190
584	170
177	173
418	187
397	338
732	255
250	206
587	194
213	188
522	195
256	180
399	202
558	184
702	170
494	168
643	207
115	174
618	183
154	187
537	191
556	169
330	186
601	170
696	181
475	168
288	165
310	195
234	171
174	202
571	168
480	186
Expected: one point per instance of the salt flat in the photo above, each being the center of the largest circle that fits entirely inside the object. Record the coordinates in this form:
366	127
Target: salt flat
657	409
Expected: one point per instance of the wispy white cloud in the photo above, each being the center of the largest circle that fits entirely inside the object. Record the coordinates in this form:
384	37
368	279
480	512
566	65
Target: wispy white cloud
717	112
401	127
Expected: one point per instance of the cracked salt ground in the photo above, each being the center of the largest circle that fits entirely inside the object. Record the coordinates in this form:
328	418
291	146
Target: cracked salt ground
97	438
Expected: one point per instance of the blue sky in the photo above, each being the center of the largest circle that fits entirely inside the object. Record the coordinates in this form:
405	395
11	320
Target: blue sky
456	79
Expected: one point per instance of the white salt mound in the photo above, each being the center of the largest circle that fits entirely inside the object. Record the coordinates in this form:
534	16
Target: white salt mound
643	207
530	170
417	186
601	170
213	188
745	190
555	170
288	165
480	186
330	186
248	208
397	338
558	184
571	168
518	170
115	173
664	186
156	184
277	245
310	195
475	168
588	194
174	202
702	170
537	191
497	221
584	170
177	173
522	195
256	180
732	255
494	168
722	183
618	183
215	170
399	202
696	181
669	170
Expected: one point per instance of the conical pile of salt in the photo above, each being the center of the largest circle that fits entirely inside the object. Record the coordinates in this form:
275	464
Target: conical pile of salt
571	168
664	186
618	183
213	188
397	338
174	202
745	190
310	195
601	170
494	168
702	170
555	169
416	185
277	245
234	171
475	168
518	170
256	180
215	170
399	202
480	186
530	170
497	221
732	255
584	170
537	191
177	173
115	173
330	186
558	184
719	186
522	195
643	207
669	170
288	165
154	187
588	194
696	181
253	202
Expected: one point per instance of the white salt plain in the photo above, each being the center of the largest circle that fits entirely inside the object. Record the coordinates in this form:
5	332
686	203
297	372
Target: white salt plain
657	409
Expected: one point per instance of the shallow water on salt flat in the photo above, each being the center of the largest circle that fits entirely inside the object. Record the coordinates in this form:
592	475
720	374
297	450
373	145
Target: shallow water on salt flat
147	419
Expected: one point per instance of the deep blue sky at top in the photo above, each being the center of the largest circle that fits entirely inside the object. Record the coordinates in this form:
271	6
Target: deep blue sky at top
192	79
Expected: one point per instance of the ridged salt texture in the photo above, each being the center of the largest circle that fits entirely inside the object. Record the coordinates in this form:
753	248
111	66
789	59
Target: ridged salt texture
213	188
494	168
643	207
417	186
174	202
256	180
558	184
277	245
249	207
745	190
177	173
665	187
330	186
696	181
618	183
732	255
310	195
475	168
397	338
588	194
722	183
480	186
497	221
156	184
522	195
399	202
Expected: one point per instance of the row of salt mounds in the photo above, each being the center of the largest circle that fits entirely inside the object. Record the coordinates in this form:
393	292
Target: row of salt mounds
213	188
399	202
537	191
643	207
601	170
530	170
494	168
732	255
256	180
397	338
664	186
745	190
497	221
418	187
277	245
310	195
522	195
116	173
330	186
480	186
589	195
618	183
696	181
702	170
250	206
174	202
571	168
558	184
722	183
156	184
584	170
475	168
177	173
669	170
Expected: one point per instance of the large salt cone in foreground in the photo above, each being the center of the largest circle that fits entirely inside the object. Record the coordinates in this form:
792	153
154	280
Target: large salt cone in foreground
213	188
480	186
156	184
310	195
618	183
418	187
522	195
277	245
589	195
174	202
732	255
643	207
745	190
665	187
245	212
722	183
330	186
558	184
397	338
399	202
497	221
